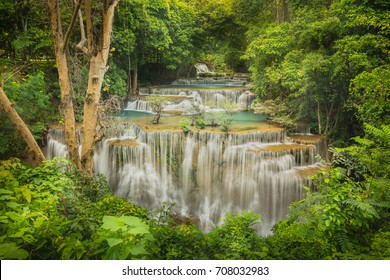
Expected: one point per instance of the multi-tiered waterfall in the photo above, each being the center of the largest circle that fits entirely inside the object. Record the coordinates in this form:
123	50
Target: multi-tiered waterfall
185	93
206	174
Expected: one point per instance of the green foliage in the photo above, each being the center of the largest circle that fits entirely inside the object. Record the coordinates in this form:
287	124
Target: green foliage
154	32
276	110
370	93
32	100
23	37
200	122
125	237
174	240
185	125
371	154
49	214
349	207
114	81
380	246
292	241
332	57
237	239
157	104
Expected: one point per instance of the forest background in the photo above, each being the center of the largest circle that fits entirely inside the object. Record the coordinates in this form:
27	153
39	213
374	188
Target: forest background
322	65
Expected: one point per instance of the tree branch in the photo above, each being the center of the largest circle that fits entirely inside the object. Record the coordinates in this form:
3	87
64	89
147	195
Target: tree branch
88	17
72	23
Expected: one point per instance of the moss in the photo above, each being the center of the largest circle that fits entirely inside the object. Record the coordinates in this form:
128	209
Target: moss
128	142
173	112
280	148
306	139
310	171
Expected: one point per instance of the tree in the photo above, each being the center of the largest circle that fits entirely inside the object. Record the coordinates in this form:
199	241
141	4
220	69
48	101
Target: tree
23	31
157	104
97	49
321	64
21	126
158	33
370	93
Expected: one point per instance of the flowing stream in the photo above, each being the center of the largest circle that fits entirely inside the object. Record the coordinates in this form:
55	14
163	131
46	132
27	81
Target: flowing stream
206	174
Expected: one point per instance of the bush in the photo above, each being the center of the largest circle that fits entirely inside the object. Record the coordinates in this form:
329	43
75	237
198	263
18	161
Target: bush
54	212
174	241
236	239
292	241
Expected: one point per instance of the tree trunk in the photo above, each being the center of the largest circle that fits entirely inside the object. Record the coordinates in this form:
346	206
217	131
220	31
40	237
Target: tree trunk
319	118
65	84
91	103
285	16
97	69
129	82
21	127
278	18
134	85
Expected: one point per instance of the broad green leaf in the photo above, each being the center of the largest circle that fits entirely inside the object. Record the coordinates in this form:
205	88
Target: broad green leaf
138	249
117	253
139	230
27	195
14	216
112	223
20	233
114	241
11	251
6	197
4	219
131	221
3	191
12	204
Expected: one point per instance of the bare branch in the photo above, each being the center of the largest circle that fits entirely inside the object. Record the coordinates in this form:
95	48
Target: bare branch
81	47
83	40
72	23
88	17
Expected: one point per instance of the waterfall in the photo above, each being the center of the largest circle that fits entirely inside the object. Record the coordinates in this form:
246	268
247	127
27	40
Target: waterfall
211	81
139	105
207	95
56	144
205	174
189	97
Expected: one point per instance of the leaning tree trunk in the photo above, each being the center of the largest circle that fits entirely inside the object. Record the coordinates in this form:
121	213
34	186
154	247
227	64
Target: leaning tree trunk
21	127
99	50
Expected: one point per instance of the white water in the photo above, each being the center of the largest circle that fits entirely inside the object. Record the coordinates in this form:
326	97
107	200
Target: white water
211	81
205	174
198	97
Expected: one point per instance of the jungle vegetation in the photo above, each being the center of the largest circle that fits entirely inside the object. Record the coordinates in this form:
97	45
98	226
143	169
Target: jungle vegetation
322	64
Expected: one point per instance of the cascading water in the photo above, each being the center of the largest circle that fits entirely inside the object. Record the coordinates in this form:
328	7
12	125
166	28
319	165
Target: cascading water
239	96
211	81
205	174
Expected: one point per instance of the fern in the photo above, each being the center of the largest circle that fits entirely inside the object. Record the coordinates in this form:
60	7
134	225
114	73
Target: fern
343	241
379	204
364	207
